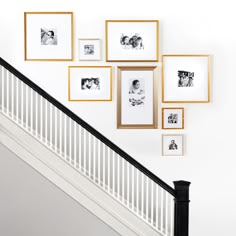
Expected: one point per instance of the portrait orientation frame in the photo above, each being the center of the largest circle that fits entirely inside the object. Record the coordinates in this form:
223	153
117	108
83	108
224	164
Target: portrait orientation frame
178	140
97	49
186	78
144	29
136	115
79	75
181	121
60	44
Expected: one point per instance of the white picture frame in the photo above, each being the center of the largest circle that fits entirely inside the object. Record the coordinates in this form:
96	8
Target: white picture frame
172	145
89	49
132	40
186	78
172	118
137	98
48	36
89	83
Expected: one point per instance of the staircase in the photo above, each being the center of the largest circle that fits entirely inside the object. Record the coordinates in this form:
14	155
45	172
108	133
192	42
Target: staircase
85	164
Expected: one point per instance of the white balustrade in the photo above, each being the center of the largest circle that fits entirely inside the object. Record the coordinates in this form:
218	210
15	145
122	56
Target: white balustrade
86	153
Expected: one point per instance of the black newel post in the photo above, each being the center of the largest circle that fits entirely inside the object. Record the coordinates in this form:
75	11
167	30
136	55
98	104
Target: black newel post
181	208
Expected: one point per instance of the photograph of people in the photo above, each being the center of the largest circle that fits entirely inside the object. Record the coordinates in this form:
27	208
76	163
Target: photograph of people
185	79
48	37
136	93
173	145
90	84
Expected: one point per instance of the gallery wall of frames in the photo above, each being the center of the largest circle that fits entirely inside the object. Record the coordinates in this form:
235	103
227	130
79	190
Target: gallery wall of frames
49	36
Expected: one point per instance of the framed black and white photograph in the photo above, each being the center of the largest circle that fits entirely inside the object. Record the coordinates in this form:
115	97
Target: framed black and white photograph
186	79
137	98
172	145
90	83
173	118
132	40
89	49
48	36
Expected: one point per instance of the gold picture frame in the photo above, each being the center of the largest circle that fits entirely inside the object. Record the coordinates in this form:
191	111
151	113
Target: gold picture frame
33	49
203	67
125	101
89	72
174	126
151	49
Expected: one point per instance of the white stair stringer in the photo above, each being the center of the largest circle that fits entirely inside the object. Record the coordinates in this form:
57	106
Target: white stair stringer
71	181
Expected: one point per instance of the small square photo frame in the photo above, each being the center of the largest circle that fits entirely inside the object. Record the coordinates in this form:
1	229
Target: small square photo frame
172	118
186	78
172	145
89	83
89	49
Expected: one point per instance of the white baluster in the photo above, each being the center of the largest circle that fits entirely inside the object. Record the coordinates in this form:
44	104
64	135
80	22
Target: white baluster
108	169
26	107
7	92
41	118
2	90
70	141
85	151
50	125
17	100
152	203
137	191
161	210
157	206
142	191
31	111
132	177
94	158
80	147
61	134
103	165
147	198
128	184
118	176
75	144
99	162
13	97
113	173
89	154
22	105
166	212
171	216
56	128
36	114
65	137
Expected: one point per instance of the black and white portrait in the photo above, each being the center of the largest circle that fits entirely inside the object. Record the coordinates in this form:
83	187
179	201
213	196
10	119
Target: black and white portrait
90	84
88	49
132	41
173	145
136	93
173	118
49	36
185	78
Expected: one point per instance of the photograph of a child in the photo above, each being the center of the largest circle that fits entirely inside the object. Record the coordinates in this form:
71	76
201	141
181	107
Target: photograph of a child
185	78
134	41
136	93
49	36
90	84
88	49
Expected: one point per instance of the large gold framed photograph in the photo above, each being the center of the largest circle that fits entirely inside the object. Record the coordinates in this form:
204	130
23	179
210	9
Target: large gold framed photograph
89	83
48	36
186	78
137	98
132	40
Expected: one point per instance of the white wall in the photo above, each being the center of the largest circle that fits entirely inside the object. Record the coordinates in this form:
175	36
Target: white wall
186	26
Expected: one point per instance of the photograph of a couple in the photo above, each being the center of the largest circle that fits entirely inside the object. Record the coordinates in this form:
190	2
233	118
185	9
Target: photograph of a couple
134	41
90	84
173	118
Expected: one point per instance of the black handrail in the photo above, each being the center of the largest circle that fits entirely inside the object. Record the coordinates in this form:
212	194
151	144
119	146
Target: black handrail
89	128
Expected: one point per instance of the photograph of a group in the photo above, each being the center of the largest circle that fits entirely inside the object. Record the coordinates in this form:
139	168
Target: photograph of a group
186	79
136	98
132	40
90	83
